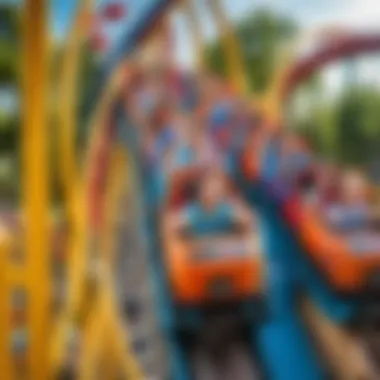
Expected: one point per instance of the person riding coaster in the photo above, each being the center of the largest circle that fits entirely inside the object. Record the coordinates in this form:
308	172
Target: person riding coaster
211	250
218	272
356	255
214	212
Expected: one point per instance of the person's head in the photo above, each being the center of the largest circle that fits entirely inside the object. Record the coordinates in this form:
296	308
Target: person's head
292	144
328	175
212	190
328	186
355	187
210	87
155	72
256	120
183	124
254	139
189	129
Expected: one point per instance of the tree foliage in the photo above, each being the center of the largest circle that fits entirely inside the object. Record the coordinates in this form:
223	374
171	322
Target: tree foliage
10	35
261	35
358	128
346	129
9	43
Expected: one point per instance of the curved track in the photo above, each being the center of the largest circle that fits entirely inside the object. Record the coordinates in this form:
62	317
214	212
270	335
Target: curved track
235	362
134	291
345	47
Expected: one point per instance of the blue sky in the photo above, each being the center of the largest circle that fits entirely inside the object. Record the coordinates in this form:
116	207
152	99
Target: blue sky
308	13
358	14
62	12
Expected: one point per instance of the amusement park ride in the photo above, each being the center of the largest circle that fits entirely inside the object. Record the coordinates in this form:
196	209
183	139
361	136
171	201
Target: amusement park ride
233	291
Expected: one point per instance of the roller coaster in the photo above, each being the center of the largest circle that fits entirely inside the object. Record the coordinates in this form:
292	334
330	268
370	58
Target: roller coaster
138	298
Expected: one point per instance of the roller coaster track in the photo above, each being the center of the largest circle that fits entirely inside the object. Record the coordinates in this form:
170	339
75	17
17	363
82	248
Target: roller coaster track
90	314
92	308
347	355
297	70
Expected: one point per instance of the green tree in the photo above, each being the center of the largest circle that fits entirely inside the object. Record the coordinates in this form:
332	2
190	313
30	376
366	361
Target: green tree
261	35
9	67
9	112
9	43
10	35
347	128
357	120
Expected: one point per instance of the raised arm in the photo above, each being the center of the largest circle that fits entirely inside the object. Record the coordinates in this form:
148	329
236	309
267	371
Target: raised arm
178	221
243	216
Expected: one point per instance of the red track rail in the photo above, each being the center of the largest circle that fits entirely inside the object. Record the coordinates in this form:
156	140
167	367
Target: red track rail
345	47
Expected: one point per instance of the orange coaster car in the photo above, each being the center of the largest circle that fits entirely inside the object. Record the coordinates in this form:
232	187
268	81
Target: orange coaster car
214	268
350	261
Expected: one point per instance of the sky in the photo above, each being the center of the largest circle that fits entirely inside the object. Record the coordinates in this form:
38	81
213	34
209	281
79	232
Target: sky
310	14
363	15
62	12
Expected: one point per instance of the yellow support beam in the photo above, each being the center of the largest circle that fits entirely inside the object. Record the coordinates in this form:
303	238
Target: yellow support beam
79	248
118	339
120	343
79	254
91	347
5	315
271	103
35	183
232	51
68	95
70	175
105	338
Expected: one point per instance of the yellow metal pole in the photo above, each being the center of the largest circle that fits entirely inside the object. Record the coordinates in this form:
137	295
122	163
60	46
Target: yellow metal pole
106	312
5	315
120	349
79	244
116	188
69	99
93	339
35	183
234	57
271	102
120	346
103	330
67	117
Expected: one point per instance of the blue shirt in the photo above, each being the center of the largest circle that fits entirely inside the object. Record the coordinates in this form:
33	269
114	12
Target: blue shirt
270	165
203	222
220	122
295	163
189	97
164	140
183	156
348	218
221	114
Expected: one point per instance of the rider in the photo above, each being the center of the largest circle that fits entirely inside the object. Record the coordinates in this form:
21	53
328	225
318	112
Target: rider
192	148
214	211
353	211
191	154
290	163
